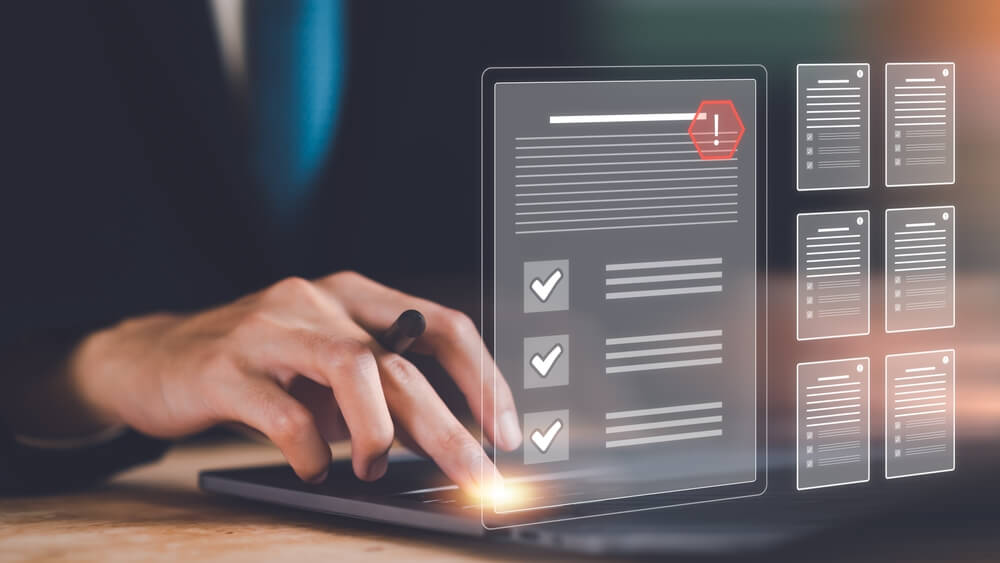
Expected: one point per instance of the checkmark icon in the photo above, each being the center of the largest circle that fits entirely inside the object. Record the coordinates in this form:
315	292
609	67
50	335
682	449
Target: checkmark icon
544	441
543	365
543	290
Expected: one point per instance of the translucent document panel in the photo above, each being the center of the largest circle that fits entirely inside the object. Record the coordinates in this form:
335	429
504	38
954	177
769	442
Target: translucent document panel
625	285
833	274
920	268
834	407
919	124
833	124
919	413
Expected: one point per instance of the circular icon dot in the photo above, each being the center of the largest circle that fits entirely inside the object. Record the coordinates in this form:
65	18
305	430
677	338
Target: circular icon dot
860	367
861	73
944	72
945	215
945	360
861	221
716	142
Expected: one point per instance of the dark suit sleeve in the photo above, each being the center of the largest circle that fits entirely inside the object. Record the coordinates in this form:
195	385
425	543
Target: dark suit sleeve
28	470
35	357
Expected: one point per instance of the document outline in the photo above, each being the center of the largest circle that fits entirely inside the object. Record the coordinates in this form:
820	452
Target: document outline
954	268
867	265
868	115
868	428
954	118
954	408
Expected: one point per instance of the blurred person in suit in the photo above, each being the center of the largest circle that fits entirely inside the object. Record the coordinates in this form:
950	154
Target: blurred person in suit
176	157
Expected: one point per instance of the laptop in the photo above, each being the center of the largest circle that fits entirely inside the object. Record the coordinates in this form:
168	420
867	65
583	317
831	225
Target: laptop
874	518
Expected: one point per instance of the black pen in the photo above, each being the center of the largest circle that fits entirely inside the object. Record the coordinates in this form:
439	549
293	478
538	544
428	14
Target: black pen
407	328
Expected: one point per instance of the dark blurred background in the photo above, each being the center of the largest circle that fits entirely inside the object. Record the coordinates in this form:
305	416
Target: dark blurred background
125	183
122	182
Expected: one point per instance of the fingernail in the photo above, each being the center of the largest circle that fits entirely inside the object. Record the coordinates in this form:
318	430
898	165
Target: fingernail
319	479
510	431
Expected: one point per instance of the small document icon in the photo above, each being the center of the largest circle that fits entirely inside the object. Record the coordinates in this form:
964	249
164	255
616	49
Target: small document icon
920	268
919	124
833	423
833	274
833	140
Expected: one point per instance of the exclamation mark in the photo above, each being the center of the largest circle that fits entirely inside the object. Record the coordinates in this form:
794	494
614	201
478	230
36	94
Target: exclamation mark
716	141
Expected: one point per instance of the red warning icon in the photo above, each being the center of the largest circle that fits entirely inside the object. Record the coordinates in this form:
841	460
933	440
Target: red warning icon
716	129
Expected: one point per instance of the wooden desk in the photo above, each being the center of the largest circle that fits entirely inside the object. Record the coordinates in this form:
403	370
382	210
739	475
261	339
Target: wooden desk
157	513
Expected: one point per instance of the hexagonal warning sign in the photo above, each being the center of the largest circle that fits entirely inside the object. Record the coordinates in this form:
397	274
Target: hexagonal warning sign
716	129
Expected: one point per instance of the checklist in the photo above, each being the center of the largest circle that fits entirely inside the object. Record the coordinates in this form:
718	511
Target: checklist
833	274
919	413
833	136
833	424
919	124
627	279
919	268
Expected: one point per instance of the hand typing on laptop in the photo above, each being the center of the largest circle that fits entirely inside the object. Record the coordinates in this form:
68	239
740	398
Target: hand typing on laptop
262	359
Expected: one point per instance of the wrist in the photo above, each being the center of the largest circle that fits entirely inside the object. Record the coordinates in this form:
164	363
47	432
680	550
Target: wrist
88	377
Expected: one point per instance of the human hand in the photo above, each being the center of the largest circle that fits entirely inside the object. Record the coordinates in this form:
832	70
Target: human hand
173	375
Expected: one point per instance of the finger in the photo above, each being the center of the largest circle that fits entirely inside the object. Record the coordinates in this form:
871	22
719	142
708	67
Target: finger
262	404
409	443
318	398
454	340
347	367
451	337
422	415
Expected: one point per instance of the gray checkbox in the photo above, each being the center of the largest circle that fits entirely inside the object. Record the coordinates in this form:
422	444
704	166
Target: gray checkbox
546	361
546	286
546	436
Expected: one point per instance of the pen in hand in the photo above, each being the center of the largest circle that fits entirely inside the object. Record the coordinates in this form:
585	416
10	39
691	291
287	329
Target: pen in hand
408	327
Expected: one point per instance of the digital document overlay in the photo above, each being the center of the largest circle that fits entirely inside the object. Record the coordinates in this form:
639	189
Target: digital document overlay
919	413
919	124
833	140
833	274
833	407
626	212
919	268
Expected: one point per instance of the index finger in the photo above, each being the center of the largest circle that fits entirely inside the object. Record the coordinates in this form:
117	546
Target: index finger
451	337
422	414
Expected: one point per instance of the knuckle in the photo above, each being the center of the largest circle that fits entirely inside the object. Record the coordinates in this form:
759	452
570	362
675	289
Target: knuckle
343	279
349	353
457	325
400	370
291	287
290	423
378	438
457	441
348	275
345	356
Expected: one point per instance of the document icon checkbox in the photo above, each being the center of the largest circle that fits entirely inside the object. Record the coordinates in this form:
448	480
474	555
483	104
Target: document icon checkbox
546	436
546	361
546	286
